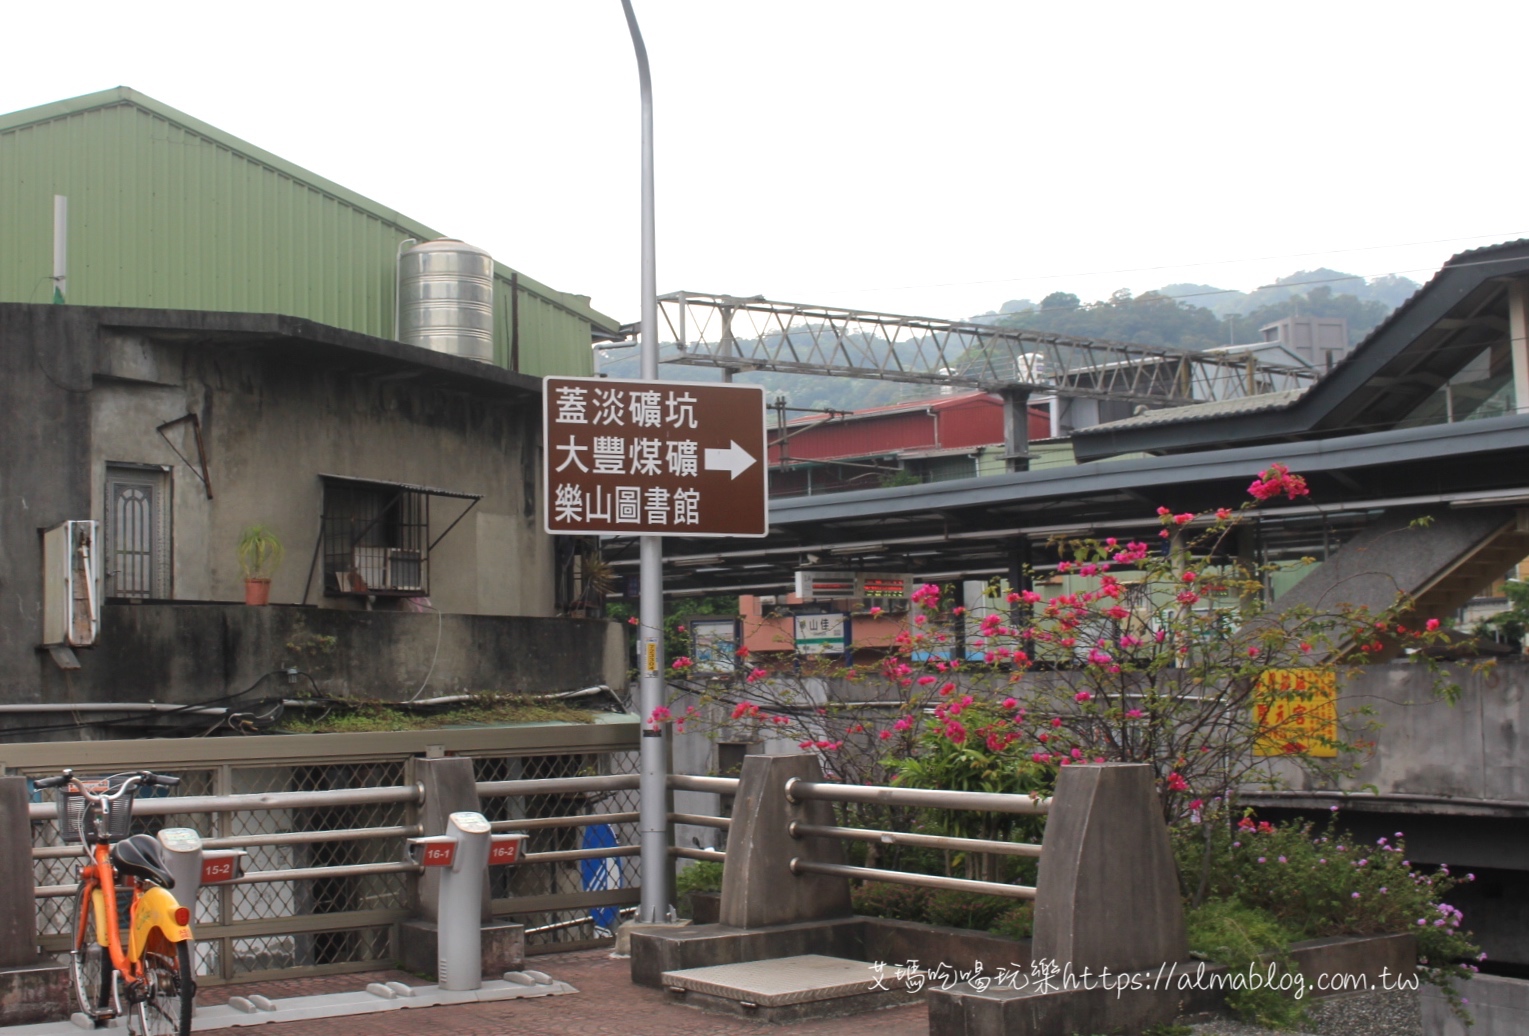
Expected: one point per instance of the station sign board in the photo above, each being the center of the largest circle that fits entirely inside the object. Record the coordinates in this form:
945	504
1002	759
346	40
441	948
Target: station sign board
654	458
826	634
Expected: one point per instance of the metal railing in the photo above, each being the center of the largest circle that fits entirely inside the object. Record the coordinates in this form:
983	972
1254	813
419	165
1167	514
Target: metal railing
328	881
798	790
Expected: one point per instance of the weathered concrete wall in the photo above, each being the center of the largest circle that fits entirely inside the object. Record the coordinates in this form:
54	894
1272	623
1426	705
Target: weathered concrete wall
1425	746
45	383
193	653
271	426
280	402
1499	1007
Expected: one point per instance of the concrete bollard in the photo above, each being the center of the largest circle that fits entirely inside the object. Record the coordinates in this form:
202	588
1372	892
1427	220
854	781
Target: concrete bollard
1108	888
758	888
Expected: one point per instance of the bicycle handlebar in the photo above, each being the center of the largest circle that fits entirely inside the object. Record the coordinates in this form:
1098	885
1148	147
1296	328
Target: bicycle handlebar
129	786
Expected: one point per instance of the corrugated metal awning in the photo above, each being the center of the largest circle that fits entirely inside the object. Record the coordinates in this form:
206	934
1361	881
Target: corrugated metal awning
375	483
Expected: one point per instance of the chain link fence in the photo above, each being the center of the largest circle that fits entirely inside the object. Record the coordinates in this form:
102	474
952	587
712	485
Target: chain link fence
580	924
348	922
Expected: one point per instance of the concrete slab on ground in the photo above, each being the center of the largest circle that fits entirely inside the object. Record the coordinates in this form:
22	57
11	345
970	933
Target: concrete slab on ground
788	980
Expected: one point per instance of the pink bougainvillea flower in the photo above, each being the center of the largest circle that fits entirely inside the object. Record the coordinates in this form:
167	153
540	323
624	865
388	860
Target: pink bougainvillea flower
1010	703
1176	782
1431	625
1083	696
904	723
876	609
632	621
1252	652
926	680
681	663
1134	714
1187	597
1223	513
1188	577
885	735
947	688
1163	534
1056	721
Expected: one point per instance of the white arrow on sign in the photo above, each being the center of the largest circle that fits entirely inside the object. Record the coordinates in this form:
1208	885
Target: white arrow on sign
735	459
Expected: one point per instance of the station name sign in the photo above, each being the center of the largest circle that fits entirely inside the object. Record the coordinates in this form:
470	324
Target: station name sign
667	458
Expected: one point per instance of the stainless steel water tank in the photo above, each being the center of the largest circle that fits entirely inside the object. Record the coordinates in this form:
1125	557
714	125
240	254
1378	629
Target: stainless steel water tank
446	292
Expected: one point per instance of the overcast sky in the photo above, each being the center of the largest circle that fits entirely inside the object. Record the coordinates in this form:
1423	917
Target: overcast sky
935	158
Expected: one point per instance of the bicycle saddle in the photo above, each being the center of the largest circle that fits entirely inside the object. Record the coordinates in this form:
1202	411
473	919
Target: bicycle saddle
140	856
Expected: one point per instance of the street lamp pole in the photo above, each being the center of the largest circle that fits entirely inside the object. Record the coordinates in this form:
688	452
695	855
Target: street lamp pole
653	816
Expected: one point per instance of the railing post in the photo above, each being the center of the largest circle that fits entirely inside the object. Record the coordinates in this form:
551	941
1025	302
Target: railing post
758	888
1108	889
32	989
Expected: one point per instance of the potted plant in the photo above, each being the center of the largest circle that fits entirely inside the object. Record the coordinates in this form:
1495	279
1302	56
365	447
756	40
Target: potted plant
260	554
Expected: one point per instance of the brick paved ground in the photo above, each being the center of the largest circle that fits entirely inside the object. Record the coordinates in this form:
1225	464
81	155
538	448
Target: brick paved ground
607	1002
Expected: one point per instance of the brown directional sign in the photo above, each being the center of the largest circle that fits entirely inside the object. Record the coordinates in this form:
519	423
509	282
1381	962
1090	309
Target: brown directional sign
666	458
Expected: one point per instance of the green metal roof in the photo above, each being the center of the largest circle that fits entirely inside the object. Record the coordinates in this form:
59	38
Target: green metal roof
167	211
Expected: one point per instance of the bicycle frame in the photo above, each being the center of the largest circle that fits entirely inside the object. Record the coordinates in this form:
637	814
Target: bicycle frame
151	910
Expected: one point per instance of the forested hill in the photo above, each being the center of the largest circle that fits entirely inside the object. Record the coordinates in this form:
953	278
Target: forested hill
1199	316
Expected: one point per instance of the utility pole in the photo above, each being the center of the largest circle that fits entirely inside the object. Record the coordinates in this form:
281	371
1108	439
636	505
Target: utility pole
653	816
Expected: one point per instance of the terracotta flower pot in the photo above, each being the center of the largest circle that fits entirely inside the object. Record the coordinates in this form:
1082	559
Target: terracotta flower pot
257	591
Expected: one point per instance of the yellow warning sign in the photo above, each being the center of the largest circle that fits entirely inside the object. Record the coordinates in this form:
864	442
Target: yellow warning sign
652	656
1296	711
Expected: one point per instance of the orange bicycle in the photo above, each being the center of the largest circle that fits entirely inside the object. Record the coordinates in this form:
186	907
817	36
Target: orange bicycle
152	974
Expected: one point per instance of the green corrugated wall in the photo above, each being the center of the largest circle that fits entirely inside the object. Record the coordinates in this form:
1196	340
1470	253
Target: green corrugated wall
168	212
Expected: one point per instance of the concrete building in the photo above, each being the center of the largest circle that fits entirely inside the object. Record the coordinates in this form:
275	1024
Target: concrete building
400	481
165	211
1319	341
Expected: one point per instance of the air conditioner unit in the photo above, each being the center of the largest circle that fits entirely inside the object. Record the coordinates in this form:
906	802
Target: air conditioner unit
406	569
384	568
71	585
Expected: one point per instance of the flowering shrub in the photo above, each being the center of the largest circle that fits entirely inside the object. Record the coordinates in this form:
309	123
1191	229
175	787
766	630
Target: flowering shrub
1158	650
1319	883
1161	654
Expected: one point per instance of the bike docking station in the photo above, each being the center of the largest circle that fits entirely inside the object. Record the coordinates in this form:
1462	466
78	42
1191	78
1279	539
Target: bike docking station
458	860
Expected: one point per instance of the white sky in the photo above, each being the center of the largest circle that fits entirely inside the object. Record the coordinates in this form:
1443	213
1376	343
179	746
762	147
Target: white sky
934	158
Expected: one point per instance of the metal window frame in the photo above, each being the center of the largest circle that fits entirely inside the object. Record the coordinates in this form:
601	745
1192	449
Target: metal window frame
399	492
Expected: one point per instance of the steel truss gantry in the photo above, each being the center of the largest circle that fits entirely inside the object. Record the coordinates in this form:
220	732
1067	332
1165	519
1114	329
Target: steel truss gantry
759	334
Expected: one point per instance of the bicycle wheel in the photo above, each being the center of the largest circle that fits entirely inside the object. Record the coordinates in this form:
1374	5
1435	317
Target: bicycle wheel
91	963
169	989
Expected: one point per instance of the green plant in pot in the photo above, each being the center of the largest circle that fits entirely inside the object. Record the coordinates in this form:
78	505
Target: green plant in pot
260	554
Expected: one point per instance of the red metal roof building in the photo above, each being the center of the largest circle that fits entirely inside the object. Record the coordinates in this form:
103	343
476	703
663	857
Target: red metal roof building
923	440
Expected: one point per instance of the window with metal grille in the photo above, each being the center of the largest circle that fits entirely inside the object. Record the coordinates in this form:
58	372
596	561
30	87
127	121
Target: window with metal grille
376	536
137	531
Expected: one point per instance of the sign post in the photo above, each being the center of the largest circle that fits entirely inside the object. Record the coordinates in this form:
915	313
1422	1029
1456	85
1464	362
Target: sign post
651	459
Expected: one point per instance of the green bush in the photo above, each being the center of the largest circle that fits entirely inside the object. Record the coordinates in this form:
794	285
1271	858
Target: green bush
1243	938
898	902
1320	884
700	876
966	909
1017	922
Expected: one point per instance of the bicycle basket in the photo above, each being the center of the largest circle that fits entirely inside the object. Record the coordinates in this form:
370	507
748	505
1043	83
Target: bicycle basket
75	812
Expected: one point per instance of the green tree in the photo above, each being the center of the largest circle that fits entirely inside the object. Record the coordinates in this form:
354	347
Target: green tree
1362	314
